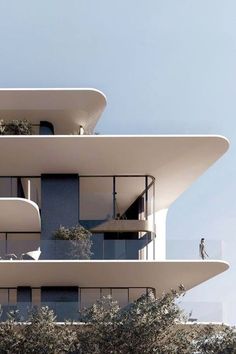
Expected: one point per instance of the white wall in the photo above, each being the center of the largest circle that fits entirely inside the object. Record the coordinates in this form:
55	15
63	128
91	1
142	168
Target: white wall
160	242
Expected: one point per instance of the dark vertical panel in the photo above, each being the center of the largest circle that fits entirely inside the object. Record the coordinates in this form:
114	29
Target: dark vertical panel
24	294
114	197
24	300
62	300
20	189
59	203
59	294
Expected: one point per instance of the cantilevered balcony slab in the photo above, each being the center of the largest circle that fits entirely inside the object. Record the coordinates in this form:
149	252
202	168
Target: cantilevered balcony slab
19	215
159	275
175	161
66	109
124	226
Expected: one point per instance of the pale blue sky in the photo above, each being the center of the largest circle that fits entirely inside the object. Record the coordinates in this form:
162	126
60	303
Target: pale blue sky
167	67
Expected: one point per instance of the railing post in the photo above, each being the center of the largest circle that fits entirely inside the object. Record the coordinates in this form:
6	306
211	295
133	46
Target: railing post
153	204
146	197
114	197
6	243
29	188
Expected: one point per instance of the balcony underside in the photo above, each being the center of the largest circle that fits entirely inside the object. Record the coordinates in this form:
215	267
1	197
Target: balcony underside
124	226
19	215
175	161
162	276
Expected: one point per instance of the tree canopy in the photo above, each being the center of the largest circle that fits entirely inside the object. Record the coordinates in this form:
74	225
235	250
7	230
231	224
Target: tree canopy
148	325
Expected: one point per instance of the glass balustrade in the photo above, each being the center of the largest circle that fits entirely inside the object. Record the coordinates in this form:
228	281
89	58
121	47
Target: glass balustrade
203	311
99	249
189	249
196	312
64	311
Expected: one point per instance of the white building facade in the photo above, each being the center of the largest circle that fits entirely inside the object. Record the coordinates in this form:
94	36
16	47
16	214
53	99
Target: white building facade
118	187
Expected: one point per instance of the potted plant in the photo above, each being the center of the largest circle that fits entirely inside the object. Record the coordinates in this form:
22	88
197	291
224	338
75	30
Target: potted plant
16	127
79	241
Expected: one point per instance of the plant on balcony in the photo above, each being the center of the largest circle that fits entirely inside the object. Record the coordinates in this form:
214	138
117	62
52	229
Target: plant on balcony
79	241
16	127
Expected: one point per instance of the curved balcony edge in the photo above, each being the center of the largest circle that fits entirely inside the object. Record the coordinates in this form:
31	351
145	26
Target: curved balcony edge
162	276
19	215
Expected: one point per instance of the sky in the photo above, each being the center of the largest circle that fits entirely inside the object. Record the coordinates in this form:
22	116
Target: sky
166	67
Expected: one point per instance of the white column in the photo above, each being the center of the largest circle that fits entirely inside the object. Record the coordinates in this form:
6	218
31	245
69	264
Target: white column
28	189
160	240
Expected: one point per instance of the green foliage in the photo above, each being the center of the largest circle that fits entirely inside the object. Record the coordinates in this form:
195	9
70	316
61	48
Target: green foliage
11	336
43	335
138	328
16	127
220	340
40	334
148	325
79	241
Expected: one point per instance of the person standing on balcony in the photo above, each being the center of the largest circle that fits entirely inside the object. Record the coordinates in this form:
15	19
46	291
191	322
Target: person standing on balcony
202	250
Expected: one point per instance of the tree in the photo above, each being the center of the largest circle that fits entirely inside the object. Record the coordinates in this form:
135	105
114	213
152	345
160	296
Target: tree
148	325
217	340
145	326
11	337
40	334
44	336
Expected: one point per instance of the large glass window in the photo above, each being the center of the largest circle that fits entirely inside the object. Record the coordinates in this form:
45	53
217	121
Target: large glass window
3	296
36	296
115	197
32	189
88	297
19	243
121	296
8	187
21	187
135	293
96	198
128	199
3	245
105	291
12	296
151	201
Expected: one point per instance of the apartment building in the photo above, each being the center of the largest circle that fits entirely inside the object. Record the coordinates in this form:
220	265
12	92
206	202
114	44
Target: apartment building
119	188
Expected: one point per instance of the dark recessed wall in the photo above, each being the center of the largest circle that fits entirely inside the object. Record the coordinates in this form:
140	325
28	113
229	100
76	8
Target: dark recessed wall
59	294
60	202
24	294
